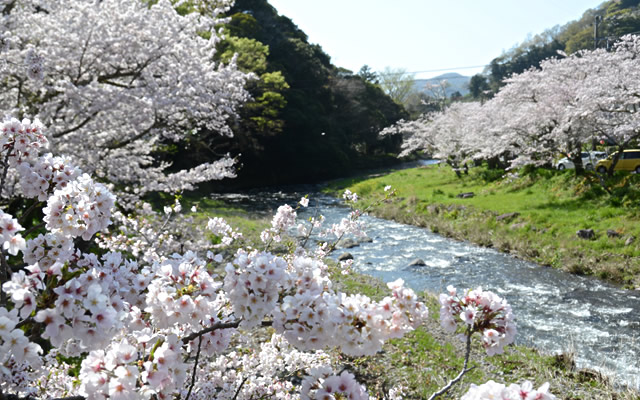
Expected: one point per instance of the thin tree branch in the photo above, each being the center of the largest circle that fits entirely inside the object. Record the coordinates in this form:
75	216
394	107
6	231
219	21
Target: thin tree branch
5	166
462	372
4	275
33	228
119	145
306	239
235	396
75	128
28	211
216	326
195	368
84	51
20	82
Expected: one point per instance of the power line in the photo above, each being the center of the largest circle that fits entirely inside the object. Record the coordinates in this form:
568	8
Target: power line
431	70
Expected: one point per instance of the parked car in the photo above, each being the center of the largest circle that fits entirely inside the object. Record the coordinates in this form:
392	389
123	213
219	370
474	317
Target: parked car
589	159
629	161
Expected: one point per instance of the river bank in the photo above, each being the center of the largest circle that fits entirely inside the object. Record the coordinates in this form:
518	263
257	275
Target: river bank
535	217
425	359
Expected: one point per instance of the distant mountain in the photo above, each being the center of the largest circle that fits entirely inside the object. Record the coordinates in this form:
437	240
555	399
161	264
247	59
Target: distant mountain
455	83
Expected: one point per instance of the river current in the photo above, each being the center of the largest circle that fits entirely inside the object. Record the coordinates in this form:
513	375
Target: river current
556	312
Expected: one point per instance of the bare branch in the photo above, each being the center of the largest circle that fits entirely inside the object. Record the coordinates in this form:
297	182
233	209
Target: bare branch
235	396
216	326
462	372
195	368
75	128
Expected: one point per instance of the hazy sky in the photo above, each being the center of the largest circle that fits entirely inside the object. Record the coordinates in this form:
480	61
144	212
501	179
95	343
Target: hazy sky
425	35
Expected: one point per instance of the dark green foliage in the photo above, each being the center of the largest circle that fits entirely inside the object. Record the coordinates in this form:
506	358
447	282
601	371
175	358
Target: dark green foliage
625	189
317	122
368	74
478	85
491	175
520	59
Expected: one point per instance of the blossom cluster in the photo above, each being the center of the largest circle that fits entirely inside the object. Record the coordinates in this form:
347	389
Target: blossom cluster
349	196
313	317
498	391
253	281
148	235
119	373
47	250
268	367
222	229
16	351
182	293
479	311
88	312
284	219
34	64
42	176
350	225
55	378
322	384
12	241
23	140
82	208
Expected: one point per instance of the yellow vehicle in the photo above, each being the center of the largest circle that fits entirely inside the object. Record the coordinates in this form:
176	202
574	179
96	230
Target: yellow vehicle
629	161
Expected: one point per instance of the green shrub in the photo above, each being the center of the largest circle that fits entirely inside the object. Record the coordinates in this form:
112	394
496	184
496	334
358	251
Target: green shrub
491	175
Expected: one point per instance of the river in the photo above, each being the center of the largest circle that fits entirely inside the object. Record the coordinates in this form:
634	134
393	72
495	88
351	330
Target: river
555	311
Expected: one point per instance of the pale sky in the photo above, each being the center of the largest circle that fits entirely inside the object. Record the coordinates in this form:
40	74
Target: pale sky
425	35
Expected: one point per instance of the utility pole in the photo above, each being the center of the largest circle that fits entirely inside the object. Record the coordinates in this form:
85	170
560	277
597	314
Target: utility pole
595	31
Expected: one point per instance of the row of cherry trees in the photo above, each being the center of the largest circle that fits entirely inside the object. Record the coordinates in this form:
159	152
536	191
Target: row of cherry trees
134	299
568	103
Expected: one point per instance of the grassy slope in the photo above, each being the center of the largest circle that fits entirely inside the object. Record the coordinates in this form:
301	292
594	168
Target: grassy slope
242	220
552	207
424	360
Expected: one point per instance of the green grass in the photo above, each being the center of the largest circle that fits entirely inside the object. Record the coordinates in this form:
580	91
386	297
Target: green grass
552	206
242	220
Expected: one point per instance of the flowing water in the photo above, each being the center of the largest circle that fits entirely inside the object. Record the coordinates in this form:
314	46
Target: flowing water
556	312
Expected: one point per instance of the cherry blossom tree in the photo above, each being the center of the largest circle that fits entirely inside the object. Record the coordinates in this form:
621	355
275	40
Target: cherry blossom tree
543	122
114	79
442	134
144	312
611	96
559	108
160	325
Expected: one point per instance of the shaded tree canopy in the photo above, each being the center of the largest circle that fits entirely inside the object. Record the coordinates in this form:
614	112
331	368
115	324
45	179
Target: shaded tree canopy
308	119
368	74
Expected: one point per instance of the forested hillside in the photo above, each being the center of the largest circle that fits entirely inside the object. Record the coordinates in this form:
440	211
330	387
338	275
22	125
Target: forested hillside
615	18
308	119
